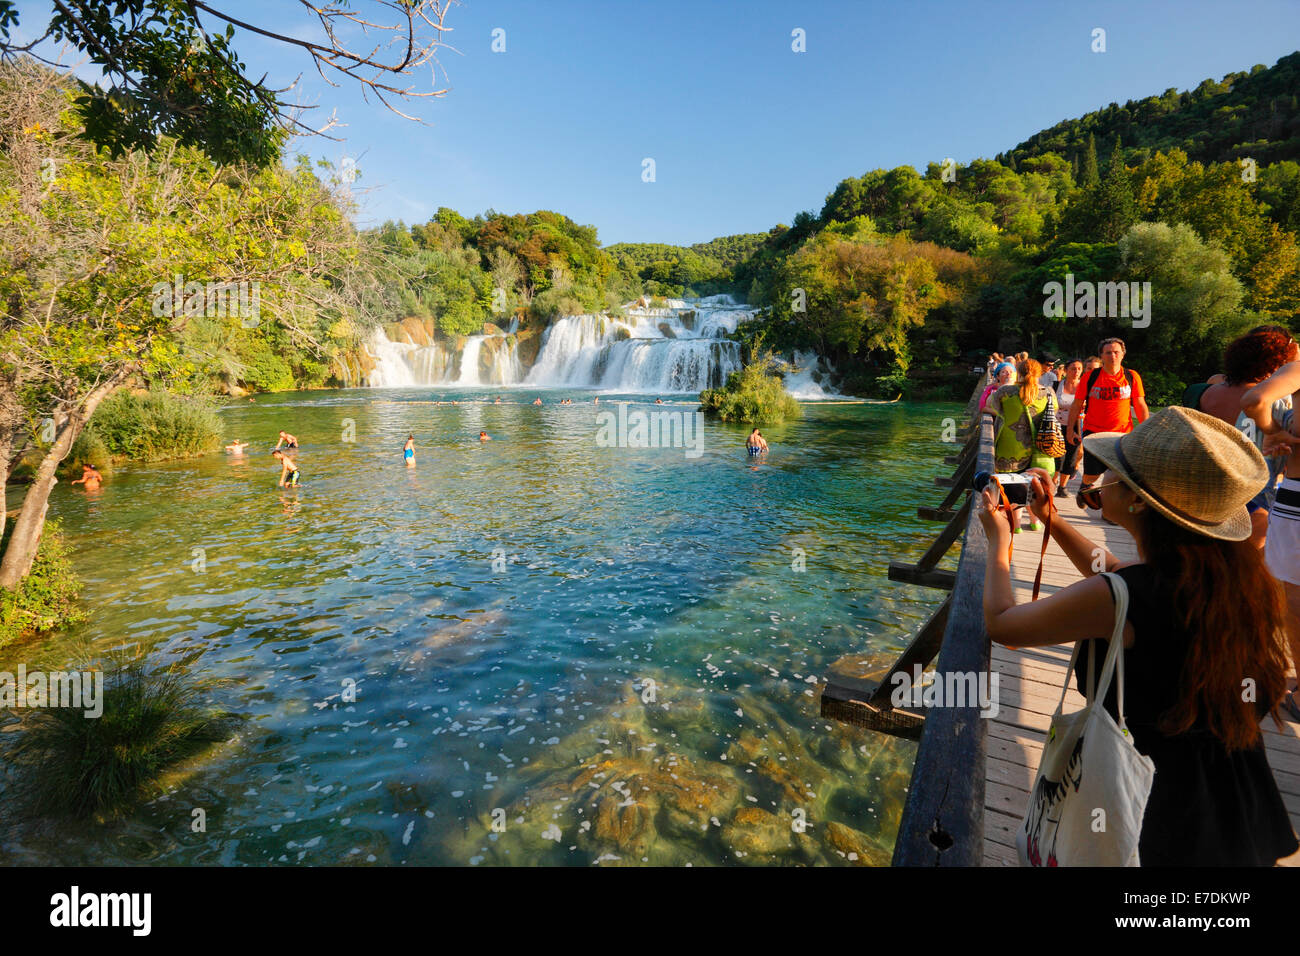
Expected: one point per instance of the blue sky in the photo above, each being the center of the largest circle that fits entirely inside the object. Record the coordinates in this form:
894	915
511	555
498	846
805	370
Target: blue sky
744	132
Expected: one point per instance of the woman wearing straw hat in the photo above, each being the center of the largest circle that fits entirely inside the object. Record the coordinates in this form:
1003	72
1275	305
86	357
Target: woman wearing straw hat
1204	660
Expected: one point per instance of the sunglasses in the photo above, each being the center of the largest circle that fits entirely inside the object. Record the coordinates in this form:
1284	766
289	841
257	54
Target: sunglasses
1090	497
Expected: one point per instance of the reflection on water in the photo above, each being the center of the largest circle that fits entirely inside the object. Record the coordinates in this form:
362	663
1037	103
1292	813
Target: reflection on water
561	653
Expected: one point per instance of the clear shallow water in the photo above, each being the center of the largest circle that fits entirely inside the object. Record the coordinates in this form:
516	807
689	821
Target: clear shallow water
518	685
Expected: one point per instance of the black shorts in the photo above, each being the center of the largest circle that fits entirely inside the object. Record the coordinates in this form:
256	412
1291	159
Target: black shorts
1065	464
1092	465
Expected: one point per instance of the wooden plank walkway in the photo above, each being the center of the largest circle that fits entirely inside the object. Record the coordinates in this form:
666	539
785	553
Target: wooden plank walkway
1030	683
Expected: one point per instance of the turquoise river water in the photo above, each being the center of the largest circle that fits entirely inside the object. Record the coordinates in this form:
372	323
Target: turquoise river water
562	653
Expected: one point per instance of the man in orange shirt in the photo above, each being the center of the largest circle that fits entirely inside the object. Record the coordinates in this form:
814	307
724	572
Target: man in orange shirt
1109	399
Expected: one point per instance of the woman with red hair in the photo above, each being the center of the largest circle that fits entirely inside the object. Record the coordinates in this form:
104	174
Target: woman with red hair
1247	361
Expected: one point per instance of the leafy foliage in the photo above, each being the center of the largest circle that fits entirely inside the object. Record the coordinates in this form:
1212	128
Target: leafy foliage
100	767
47	597
1251	113
754	395
154	426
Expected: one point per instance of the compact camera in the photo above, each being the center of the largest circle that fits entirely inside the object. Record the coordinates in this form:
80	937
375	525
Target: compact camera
1017	487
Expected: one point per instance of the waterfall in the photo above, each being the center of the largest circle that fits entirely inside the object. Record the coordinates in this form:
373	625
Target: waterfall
679	347
469	361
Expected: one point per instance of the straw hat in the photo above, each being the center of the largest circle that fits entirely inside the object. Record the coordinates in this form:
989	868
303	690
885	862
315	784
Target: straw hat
1196	470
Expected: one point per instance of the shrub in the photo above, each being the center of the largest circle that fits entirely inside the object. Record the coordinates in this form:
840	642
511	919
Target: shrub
88	449
155	426
100	766
755	395
47	597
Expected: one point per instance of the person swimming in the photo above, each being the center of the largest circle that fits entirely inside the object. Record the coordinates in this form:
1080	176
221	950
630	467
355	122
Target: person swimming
237	447
484	436
287	440
537	401
288	470
756	443
408	451
90	477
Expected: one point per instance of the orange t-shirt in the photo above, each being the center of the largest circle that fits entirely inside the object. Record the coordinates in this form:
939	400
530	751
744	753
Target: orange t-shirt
1110	403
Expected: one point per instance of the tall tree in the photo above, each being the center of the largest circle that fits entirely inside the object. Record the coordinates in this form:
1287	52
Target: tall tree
105	262
1088	174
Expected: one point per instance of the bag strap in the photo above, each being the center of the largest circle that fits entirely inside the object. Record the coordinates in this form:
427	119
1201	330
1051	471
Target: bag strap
1047	538
1087	393
1114	659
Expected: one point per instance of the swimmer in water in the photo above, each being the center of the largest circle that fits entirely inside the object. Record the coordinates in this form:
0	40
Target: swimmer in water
484	436
756	443
237	447
596	400
537	401
408	451
659	401
288	470
287	440
90	477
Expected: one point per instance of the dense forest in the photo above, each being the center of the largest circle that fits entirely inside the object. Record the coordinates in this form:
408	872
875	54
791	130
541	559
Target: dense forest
1253	114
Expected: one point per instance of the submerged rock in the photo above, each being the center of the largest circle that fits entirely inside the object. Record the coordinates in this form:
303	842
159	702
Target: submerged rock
857	846
759	835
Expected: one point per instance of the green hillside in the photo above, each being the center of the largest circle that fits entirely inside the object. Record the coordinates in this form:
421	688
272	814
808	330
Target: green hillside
1253	114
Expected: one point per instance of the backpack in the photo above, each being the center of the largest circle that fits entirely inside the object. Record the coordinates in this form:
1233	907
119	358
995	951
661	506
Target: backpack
1192	395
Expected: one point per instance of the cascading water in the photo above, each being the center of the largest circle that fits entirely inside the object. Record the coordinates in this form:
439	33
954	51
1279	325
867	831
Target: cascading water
678	348
469	361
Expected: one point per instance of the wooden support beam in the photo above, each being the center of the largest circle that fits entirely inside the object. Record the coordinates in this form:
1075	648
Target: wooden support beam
848	706
935	514
951	532
910	574
921	650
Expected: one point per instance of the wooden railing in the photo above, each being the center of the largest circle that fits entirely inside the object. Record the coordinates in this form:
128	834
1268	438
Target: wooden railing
943	818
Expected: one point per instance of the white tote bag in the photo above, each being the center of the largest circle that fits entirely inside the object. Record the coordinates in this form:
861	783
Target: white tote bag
1092	787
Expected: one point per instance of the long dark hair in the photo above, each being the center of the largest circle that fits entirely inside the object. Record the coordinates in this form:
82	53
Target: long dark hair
1223	596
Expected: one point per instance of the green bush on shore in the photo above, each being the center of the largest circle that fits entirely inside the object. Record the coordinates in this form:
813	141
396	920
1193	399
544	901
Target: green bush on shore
755	395
100	767
47	597
153	426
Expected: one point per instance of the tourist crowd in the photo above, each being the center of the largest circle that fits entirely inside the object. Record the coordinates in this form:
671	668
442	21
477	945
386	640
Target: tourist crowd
1209	490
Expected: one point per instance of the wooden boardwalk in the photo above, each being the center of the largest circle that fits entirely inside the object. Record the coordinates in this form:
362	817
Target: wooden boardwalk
1030	684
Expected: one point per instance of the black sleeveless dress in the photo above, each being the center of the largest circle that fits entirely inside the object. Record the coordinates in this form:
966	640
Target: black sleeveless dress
1208	807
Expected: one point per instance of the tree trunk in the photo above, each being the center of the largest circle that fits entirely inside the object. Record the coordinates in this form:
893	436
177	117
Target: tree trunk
26	538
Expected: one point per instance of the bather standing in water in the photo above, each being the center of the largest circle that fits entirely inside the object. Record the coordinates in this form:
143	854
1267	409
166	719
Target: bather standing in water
484	436
287	440
288	470
237	447
756	443
90	477
408	451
